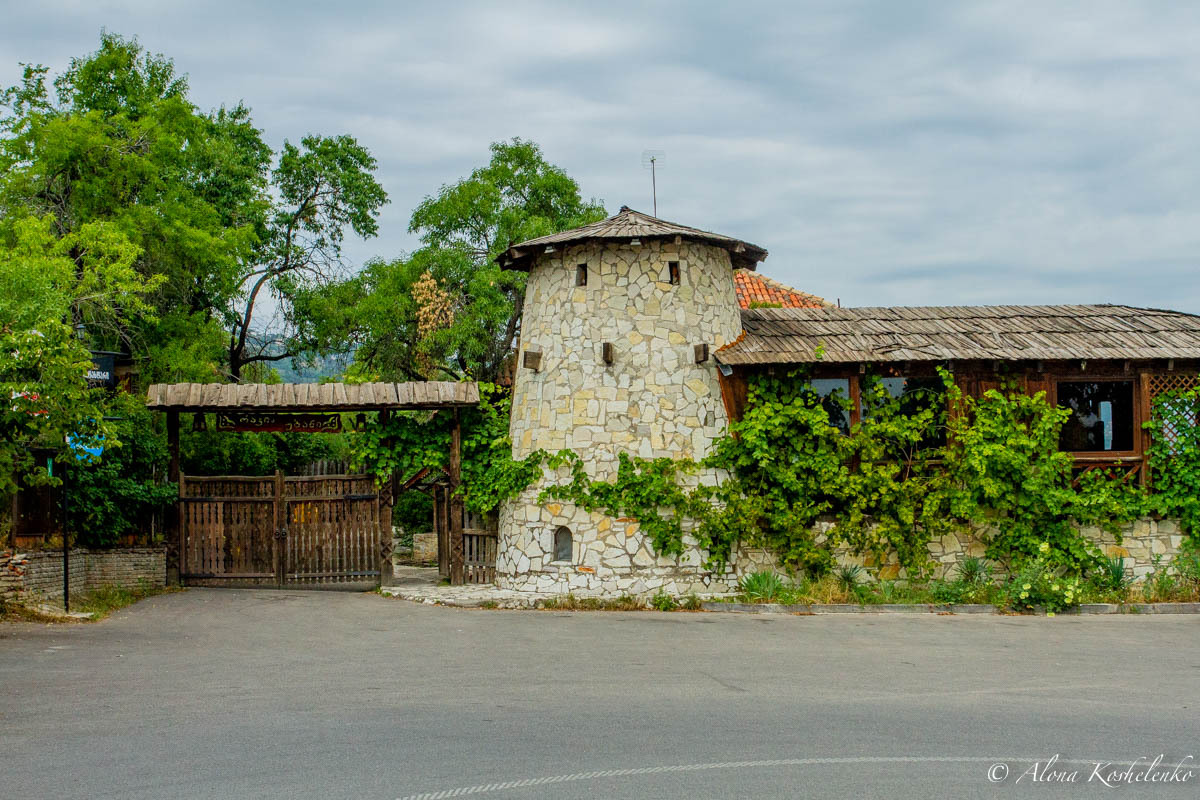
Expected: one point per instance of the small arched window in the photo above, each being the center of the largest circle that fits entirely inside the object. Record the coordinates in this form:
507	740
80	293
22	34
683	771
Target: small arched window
563	544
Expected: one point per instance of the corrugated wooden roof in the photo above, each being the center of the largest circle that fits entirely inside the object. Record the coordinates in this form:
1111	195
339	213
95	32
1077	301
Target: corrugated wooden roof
310	396
754	288
629	224
941	333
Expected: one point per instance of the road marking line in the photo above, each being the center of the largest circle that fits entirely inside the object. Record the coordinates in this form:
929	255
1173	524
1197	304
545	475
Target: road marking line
776	762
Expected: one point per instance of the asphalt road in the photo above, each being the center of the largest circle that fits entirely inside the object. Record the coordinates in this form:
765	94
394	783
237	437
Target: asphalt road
267	694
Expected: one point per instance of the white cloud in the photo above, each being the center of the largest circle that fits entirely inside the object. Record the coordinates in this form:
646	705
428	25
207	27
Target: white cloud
916	152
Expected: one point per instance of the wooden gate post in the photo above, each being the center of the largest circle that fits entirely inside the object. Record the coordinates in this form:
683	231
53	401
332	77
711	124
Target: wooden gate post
457	557
173	535
280	538
385	498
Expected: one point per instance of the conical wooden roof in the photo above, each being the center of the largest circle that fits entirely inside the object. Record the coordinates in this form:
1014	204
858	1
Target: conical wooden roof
628	224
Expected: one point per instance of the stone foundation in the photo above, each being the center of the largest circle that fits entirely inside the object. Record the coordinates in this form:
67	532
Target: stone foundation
612	557
37	577
608	556
1141	541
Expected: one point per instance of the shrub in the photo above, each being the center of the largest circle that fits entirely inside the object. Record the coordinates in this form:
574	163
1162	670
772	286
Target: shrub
1039	583
1176	581
661	601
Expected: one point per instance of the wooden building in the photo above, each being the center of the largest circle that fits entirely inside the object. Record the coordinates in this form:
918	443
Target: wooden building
1106	363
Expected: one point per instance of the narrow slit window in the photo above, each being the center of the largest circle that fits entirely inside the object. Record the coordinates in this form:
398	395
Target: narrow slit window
673	272
581	275
563	544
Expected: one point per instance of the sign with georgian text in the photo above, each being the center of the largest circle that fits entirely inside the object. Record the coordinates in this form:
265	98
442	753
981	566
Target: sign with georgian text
262	421
103	374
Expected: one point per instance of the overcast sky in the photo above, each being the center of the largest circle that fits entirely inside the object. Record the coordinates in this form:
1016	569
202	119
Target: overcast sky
890	152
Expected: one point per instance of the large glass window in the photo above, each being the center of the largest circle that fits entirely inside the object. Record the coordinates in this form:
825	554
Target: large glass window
835	395
1102	415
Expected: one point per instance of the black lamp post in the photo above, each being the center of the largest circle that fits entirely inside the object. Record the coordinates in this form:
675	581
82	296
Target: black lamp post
81	335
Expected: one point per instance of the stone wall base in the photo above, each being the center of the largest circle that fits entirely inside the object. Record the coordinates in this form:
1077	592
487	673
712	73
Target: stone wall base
1141	542
38	576
675	582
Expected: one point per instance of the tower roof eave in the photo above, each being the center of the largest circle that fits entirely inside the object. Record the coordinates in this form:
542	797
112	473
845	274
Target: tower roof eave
625	226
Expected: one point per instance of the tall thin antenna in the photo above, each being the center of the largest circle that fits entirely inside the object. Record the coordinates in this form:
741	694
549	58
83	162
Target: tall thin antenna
652	160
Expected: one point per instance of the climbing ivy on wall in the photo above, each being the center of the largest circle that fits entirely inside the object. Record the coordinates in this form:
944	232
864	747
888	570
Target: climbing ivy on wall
907	473
1005	473
914	468
407	442
648	490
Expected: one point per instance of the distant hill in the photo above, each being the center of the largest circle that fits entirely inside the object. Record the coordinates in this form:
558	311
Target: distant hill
324	367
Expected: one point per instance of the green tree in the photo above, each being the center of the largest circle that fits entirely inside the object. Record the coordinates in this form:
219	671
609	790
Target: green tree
448	310
46	282
118	141
118	494
324	187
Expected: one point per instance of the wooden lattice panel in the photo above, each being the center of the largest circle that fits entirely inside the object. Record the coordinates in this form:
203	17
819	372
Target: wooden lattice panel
1161	384
1166	383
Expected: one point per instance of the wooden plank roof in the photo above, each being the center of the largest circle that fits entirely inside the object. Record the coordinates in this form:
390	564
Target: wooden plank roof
625	225
943	333
310	396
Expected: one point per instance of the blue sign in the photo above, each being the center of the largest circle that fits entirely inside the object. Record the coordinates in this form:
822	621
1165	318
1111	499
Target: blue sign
82	452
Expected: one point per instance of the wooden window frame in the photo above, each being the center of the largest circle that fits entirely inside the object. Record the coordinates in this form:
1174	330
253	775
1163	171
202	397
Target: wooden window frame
581	276
1139	419
674	273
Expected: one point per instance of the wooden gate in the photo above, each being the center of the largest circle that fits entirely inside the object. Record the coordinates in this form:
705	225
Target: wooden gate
318	532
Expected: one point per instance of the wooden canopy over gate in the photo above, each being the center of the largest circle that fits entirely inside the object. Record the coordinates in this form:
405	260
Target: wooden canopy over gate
298	407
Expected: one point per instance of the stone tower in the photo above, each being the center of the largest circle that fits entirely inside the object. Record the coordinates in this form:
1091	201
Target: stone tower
621	321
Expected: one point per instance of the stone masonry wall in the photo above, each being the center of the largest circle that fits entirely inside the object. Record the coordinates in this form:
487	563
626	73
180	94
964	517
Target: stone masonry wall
38	576
653	401
424	547
1141	541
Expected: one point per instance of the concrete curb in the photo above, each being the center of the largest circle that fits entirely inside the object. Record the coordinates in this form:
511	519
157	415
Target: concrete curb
1087	609
1136	608
848	608
515	601
51	611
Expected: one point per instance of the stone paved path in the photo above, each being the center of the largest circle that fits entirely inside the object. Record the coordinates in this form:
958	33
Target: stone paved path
420	584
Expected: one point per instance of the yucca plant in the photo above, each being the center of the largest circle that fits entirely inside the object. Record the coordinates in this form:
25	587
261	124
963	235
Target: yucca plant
848	576
763	587
973	570
1111	574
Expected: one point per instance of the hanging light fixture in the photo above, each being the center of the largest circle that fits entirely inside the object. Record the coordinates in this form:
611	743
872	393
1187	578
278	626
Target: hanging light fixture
199	423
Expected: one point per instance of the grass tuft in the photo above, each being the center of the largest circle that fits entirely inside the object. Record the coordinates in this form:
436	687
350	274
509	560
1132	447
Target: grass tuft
107	599
570	602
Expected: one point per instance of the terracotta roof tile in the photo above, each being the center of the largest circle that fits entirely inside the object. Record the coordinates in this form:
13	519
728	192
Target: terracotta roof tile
754	289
